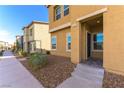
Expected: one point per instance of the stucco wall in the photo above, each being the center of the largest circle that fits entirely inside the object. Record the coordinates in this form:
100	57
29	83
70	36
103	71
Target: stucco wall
113	54
25	40
31	38
61	43
41	32
54	23
75	13
76	53
113	38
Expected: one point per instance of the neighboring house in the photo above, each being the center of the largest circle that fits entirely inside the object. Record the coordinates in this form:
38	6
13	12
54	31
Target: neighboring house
4	45
36	37
82	32
19	42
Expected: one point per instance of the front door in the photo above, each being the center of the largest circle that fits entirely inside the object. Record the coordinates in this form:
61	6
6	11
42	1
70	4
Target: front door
88	44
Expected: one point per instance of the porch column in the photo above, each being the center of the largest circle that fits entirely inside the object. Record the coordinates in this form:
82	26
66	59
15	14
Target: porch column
76	42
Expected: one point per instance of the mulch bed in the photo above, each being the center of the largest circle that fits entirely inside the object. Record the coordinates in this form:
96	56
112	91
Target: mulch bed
55	72
112	80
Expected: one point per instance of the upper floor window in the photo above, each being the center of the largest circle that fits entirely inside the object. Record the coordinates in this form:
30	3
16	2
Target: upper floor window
98	41
53	41
66	10
68	40
57	12
31	32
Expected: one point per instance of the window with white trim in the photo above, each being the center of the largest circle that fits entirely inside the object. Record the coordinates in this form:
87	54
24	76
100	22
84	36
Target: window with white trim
98	41
66	10
53	42
68	40
57	12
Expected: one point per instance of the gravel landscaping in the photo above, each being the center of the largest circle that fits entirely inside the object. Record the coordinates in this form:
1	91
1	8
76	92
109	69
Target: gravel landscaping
112	80
55	72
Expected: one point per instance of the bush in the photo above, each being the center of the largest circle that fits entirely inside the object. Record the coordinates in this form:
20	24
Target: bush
24	54
20	52
38	61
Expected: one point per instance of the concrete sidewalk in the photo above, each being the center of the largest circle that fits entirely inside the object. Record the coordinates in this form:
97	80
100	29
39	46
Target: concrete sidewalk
14	75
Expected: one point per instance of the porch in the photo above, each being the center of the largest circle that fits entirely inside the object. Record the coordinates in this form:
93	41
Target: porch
34	46
92	41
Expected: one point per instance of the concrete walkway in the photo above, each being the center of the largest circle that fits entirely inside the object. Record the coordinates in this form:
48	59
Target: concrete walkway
13	74
84	76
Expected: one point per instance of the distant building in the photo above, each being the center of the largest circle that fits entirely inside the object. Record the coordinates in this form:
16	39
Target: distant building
4	45
19	42
36	37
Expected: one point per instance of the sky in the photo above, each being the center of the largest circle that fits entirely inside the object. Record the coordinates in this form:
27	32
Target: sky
14	18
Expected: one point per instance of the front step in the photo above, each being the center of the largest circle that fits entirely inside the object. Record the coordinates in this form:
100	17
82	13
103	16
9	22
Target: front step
88	77
75	82
87	72
89	69
84	76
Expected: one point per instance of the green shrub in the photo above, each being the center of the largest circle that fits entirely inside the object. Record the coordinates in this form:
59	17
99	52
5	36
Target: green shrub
24	54
38	60
20	52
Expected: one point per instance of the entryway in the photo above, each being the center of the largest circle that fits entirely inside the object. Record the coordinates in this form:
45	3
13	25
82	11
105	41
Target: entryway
92	41
88	44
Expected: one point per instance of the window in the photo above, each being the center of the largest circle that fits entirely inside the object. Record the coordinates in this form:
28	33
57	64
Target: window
66	10
98	41
57	12
68	38
31	31
53	41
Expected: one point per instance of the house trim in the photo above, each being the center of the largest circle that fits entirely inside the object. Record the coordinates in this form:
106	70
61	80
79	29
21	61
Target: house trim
92	14
61	27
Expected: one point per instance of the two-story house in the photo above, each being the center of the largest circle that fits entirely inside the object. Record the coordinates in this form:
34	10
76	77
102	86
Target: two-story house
83	32
36	37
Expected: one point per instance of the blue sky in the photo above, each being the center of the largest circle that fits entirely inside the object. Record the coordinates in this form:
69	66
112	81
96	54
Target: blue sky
13	18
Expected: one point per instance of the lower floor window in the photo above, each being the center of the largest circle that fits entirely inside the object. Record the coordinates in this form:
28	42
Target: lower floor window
98	41
68	41
53	42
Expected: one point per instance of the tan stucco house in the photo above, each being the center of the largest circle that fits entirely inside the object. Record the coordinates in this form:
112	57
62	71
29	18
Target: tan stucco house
36	37
81	32
4	45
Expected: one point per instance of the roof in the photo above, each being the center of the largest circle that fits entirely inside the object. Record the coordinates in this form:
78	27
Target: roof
35	22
